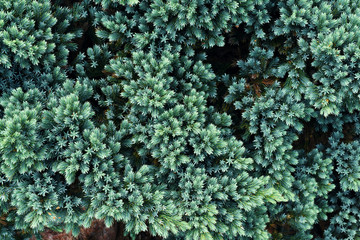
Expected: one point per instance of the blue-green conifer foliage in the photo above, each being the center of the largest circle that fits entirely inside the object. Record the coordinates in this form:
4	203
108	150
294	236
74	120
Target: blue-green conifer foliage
202	119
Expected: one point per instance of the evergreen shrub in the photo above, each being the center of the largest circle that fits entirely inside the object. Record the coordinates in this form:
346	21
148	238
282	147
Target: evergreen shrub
190	119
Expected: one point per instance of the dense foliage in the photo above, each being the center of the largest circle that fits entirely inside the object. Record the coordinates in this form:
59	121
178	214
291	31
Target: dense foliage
190	119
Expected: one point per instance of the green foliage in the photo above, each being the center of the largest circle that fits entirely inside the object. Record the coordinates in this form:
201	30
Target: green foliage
35	41
195	155
153	24
113	110
311	187
273	119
